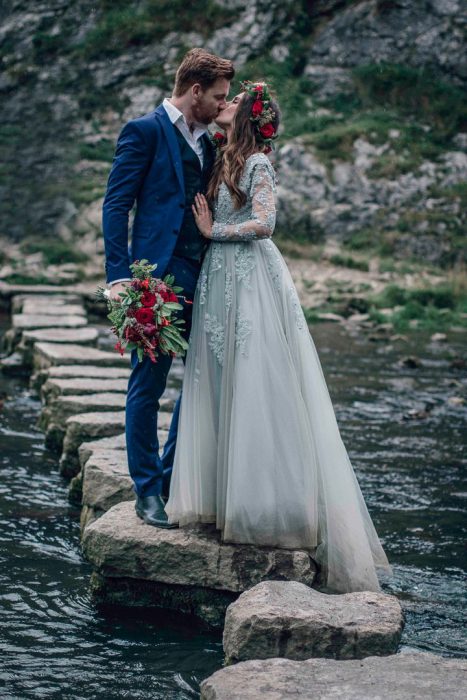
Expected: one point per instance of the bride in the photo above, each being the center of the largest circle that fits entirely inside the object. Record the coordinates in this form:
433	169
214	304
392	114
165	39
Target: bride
258	450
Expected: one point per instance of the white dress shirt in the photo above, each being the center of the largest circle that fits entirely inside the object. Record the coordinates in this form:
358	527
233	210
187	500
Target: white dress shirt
192	137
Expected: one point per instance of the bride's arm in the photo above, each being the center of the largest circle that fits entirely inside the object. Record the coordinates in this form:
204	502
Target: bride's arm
263	211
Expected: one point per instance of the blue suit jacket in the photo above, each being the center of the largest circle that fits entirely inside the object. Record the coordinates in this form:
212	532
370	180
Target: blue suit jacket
147	168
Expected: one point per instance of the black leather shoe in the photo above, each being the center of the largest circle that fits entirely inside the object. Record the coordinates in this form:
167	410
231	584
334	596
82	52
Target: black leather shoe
151	510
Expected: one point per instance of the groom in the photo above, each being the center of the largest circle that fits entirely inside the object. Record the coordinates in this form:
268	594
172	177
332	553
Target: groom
161	161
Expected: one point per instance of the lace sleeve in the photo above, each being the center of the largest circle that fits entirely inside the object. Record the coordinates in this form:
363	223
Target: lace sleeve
263	209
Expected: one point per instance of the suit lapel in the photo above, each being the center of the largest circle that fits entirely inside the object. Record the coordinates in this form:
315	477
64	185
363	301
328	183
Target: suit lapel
174	148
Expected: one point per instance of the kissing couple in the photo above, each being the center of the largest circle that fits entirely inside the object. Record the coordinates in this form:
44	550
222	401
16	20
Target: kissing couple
254	445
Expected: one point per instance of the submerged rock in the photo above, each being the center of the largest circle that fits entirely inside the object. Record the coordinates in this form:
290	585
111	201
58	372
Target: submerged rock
188	561
418	676
288	619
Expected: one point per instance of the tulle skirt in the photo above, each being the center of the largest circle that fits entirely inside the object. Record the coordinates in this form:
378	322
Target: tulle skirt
259	451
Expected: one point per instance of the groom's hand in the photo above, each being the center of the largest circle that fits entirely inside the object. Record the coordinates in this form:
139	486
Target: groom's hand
115	290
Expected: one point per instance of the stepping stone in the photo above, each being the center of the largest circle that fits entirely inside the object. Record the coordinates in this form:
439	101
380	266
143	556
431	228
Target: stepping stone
57	412
103	479
87	449
77	371
81	336
57	299
187	568
52	308
116	442
87	426
21	322
290	620
418	676
47	354
105	482
53	388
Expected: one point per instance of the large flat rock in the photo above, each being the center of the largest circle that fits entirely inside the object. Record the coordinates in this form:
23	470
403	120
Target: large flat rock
414	676
186	569
87	426
55	387
50	307
106	481
288	619
23	322
58	298
57	412
88	372
87	449
77	372
47	354
79	336
121	546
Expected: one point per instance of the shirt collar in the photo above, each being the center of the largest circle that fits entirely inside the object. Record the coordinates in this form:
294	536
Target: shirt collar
175	115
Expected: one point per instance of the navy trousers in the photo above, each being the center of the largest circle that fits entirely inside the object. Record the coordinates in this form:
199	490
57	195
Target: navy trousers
150	472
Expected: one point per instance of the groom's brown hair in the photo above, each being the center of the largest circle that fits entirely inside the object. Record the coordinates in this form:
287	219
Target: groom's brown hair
200	66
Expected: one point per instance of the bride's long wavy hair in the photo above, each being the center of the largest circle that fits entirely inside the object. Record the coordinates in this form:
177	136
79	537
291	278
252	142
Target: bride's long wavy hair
244	141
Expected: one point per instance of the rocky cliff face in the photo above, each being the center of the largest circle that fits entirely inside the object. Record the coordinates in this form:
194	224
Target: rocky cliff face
373	147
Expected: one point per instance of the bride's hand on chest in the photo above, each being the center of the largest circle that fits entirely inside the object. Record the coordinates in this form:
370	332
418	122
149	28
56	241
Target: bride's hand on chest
203	215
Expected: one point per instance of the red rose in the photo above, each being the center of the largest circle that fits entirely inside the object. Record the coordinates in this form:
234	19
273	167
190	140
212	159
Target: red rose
145	284
258	88
219	136
144	315
148	298
267	131
257	108
172	297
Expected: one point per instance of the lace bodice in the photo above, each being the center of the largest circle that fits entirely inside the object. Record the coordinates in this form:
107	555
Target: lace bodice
257	217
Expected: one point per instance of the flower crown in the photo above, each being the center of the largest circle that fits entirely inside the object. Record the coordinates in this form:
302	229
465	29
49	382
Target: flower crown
262	115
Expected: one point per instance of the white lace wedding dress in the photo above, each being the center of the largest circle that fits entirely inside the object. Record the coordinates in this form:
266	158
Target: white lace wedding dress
259	451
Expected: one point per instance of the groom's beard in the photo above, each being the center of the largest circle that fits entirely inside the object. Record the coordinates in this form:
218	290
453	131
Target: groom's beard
205	117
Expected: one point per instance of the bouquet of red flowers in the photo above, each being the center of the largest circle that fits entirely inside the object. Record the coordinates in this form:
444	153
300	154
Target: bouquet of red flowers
145	318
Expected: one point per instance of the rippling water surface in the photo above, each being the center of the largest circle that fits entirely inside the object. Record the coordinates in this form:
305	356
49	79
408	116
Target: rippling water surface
56	644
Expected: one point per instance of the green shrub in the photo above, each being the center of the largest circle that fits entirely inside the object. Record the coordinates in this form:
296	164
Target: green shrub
347	261
55	252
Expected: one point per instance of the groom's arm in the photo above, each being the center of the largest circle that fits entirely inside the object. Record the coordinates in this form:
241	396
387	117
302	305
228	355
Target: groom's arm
129	167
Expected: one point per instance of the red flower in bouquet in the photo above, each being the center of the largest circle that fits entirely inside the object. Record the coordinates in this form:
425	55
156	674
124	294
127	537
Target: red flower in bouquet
144	315
148	299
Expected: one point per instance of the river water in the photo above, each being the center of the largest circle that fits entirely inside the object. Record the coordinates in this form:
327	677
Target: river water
54	642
